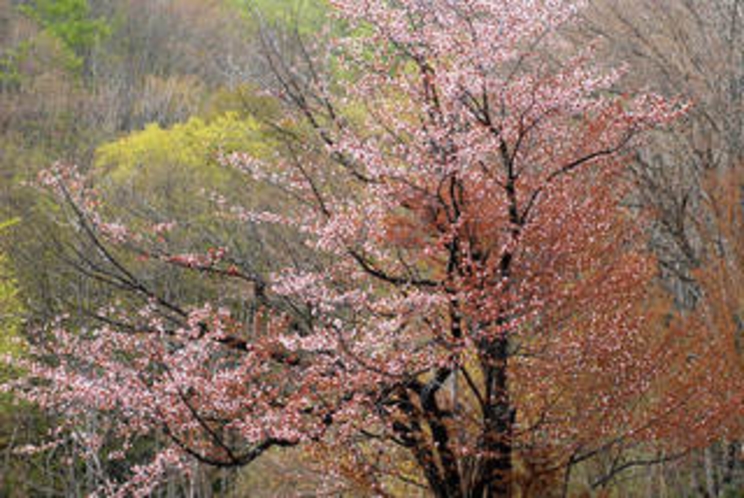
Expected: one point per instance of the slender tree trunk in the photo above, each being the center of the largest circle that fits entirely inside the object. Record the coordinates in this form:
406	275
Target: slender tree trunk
731	457
495	480
501	427
710	477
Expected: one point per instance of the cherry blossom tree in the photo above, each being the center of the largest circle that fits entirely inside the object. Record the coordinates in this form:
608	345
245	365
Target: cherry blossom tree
476	315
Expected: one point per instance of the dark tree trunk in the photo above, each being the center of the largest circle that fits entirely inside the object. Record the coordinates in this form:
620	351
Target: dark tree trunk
495	477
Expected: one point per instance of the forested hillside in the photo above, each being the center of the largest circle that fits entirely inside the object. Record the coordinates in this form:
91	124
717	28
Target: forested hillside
473	248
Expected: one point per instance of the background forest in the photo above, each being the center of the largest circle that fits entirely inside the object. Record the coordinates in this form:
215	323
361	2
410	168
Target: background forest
151	98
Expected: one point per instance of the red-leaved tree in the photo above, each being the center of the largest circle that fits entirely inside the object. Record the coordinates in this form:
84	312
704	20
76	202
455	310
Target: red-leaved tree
479	307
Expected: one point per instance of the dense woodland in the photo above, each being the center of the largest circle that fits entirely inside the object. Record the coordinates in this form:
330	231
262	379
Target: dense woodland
451	248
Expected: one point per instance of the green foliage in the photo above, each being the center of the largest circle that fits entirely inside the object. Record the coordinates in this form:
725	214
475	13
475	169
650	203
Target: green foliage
71	22
10	313
245	101
9	223
733	492
188	150
306	15
166	174
11	76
